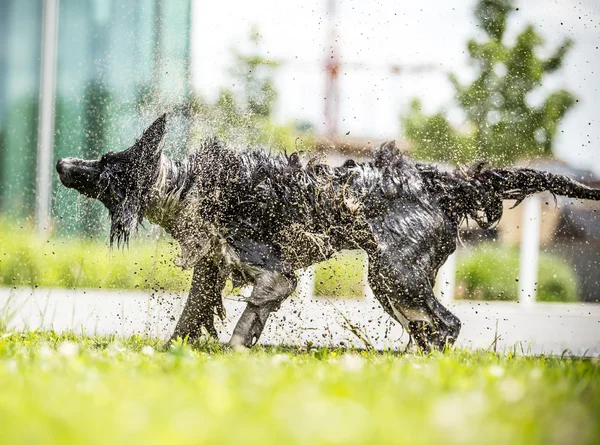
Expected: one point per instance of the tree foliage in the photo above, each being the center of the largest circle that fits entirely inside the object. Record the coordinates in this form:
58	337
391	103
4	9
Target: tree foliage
243	114
502	122
254	74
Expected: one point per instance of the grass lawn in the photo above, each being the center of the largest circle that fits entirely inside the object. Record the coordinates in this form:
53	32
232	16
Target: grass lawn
68	389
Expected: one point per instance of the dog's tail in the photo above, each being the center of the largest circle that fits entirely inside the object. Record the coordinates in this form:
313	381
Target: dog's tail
518	183
478	192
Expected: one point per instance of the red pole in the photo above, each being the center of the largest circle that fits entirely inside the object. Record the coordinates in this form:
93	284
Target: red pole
332	68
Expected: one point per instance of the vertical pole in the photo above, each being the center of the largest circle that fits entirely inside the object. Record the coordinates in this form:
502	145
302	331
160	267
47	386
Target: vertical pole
365	264
306	283
530	249
157	55
46	113
332	71
446	280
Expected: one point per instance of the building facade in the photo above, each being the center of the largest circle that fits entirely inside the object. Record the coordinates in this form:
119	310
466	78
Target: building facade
118	65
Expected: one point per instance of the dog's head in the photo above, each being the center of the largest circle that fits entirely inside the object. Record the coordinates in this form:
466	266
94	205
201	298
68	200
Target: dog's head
121	181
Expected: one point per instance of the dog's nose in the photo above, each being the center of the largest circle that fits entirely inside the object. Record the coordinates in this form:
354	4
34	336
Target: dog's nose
60	166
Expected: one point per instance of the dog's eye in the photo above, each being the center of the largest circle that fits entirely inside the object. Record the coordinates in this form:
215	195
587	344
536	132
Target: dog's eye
105	158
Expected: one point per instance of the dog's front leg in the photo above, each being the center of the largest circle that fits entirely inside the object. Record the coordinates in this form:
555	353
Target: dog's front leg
270	289
204	299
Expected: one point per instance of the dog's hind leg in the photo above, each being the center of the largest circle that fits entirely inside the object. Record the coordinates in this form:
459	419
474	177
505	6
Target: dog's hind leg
270	289
434	326
380	287
409	298
430	324
203	302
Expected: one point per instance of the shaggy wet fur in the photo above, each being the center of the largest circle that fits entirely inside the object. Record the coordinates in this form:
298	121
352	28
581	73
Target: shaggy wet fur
259	218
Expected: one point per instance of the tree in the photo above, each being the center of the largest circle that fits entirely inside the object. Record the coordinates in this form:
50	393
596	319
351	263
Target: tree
242	116
502	124
254	73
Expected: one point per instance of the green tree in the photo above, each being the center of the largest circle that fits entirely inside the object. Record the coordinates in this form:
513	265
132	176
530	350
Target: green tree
502	125
254	72
243	115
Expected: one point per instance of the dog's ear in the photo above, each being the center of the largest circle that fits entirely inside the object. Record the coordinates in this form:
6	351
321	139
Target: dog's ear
135	184
386	154
149	145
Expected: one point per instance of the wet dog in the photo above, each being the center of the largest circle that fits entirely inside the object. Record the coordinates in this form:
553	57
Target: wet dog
259	218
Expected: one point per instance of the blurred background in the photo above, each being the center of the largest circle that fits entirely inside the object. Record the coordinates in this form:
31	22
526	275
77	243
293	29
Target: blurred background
512	82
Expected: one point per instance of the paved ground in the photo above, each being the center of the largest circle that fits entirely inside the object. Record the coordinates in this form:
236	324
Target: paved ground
541	328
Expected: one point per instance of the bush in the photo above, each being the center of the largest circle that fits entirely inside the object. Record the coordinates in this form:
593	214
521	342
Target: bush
28	260
491	272
488	272
341	276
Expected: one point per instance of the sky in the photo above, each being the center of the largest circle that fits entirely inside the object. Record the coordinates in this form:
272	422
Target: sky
374	36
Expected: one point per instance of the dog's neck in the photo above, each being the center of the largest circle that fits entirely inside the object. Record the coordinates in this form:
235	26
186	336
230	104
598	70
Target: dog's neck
175	208
166	192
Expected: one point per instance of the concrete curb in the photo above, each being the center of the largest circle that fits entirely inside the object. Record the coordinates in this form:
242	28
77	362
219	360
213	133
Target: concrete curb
550	328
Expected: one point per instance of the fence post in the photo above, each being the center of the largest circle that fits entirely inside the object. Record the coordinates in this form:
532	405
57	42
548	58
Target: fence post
446	280
306	283
530	249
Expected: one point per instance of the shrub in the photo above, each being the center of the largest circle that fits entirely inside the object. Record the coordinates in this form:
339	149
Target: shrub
341	276
491	272
28	260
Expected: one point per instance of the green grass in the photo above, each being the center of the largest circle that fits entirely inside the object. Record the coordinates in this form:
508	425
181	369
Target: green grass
62	389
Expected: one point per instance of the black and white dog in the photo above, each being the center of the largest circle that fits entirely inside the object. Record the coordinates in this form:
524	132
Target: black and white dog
258	218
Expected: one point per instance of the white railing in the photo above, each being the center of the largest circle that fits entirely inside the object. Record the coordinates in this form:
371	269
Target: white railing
446	280
530	249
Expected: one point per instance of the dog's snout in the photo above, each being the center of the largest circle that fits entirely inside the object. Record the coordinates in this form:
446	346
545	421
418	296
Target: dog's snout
60	166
